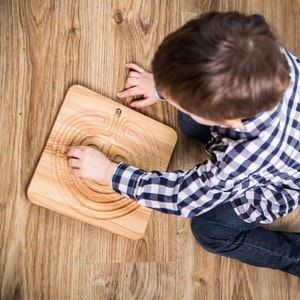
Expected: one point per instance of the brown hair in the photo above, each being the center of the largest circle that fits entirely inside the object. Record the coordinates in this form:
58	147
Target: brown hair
222	66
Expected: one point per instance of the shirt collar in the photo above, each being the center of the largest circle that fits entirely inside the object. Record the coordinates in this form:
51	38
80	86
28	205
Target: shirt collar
252	127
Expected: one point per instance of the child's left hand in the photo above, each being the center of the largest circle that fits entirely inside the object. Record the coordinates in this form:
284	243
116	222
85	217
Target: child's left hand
87	162
139	82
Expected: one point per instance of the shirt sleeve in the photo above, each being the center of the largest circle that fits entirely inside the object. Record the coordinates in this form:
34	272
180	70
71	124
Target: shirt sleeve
184	193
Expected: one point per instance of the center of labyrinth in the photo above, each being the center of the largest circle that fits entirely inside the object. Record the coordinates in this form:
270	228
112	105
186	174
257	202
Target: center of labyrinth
115	136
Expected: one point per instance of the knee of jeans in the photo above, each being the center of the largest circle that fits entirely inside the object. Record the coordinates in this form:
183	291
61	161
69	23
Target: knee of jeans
208	236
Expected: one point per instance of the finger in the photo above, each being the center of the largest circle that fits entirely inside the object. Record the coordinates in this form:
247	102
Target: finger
74	163
134	74
129	85
143	102
76	172
130	82
134	91
134	67
74	151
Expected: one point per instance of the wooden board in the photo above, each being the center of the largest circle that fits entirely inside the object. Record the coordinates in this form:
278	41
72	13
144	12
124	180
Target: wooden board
124	135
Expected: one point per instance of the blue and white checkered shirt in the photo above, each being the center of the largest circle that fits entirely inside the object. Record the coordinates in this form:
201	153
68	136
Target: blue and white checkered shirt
257	169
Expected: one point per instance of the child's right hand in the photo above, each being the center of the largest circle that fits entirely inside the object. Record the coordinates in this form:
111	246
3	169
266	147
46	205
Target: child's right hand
87	162
139	82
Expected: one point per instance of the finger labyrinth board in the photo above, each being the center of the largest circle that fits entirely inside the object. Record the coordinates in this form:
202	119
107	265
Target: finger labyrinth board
124	135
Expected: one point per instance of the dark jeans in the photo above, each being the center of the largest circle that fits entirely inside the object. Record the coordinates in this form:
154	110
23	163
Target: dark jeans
193	129
222	231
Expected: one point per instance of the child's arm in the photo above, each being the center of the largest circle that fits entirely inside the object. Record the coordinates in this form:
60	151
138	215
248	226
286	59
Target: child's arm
90	163
139	82
86	162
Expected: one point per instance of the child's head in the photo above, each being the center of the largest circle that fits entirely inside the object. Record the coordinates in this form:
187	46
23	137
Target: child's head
222	66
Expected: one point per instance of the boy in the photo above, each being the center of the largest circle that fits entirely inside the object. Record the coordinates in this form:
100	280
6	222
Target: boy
237	91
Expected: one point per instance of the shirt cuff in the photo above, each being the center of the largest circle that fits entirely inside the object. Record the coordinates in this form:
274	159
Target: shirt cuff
158	94
125	179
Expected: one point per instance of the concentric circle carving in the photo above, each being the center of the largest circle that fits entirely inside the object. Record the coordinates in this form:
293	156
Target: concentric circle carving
115	136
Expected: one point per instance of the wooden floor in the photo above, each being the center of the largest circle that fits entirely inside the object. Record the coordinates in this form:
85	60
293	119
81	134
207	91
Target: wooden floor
47	46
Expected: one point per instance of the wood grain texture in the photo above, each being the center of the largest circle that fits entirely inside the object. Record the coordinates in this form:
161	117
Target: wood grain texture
122	134
47	46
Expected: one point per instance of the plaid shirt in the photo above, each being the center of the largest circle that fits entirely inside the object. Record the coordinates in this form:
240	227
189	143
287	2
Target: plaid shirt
256	169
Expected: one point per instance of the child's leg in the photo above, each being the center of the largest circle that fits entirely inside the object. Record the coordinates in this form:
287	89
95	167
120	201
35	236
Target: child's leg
193	129
222	232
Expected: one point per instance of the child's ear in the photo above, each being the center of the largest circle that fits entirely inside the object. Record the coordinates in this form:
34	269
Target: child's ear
234	123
